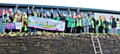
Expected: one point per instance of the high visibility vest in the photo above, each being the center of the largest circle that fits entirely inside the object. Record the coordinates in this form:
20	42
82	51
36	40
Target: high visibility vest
23	21
8	14
84	21
35	14
15	18
99	23
92	23
23	25
104	25
117	24
79	22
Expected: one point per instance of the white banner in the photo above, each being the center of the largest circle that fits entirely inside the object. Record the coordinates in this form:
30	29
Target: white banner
47	24
16	25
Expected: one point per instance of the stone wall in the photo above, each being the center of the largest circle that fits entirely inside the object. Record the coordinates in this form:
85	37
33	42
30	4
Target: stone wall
57	45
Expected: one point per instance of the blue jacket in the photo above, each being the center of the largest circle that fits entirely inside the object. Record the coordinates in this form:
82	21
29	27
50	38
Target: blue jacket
113	24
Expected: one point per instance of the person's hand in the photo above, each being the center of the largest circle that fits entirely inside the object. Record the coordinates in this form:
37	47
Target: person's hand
41	8
57	9
51	10
33	7
28	8
68	10
8	19
78	9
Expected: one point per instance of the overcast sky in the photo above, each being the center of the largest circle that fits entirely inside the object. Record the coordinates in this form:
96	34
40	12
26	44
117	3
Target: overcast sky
98	4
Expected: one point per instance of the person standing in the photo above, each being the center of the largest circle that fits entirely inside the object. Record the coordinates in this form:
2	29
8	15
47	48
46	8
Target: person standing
100	25
62	18
113	26
86	23
17	17
95	23
79	21
24	22
69	25
73	27
29	12
36	13
92	25
80	24
106	26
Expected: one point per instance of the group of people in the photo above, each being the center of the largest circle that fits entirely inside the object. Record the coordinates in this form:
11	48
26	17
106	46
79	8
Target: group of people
74	22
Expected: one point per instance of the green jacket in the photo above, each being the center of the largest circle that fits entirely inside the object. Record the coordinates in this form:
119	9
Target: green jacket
71	22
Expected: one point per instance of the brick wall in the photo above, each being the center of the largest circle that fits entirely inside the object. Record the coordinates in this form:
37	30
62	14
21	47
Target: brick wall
81	44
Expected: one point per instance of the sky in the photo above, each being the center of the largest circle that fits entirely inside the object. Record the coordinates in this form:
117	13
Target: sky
97	4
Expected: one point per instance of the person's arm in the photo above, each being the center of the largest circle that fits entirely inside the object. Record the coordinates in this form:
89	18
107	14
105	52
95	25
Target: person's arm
4	15
32	11
78	11
52	14
27	12
59	12
69	12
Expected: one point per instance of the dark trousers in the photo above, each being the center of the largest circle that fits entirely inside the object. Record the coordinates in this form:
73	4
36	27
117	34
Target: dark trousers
7	30
100	29
23	29
79	29
11	30
68	29
94	30
91	30
72	30
106	30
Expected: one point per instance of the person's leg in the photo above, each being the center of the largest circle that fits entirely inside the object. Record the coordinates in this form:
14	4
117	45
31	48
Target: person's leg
73	30
115	30
69	29
82	29
7	31
22	29
94	29
112	30
106	30
85	29
100	30
77	29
